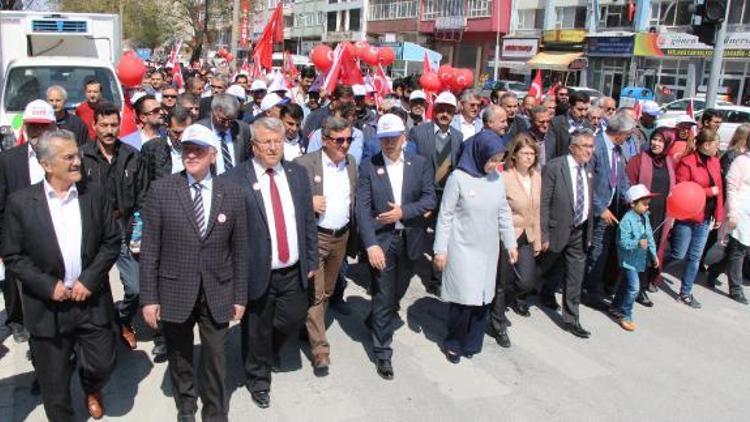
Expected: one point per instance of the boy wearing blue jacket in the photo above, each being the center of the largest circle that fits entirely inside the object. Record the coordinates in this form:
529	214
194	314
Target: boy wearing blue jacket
635	246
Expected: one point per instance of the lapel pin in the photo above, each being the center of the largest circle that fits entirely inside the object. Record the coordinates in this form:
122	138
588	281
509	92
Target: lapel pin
256	186
221	218
381	171
408	163
317	179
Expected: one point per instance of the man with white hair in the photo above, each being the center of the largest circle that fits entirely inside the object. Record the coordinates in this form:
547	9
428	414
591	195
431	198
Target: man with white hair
57	96
468	121
233	134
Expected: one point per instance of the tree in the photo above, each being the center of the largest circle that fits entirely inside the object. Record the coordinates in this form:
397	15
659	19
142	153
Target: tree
199	19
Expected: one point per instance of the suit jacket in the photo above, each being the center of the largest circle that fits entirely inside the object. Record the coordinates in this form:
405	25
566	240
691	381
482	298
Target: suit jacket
560	131
374	191
14	175
204	107
31	252
558	204
423	138
602	186
313	165
157	159
258	231
176	260
525	208
240	136
520	124
74	124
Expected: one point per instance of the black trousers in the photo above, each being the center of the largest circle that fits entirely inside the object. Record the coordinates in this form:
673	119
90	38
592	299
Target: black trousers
211	364
567	267
513	282
95	348
388	288
466	327
270	322
12	298
736	254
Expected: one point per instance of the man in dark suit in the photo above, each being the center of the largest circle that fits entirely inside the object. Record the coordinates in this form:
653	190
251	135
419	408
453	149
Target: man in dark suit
57	97
194	270
341	94
163	156
234	135
610	184
60	240
283	240
540	130
516	122
219	84
574	118
567	214
333	179
394	192
19	168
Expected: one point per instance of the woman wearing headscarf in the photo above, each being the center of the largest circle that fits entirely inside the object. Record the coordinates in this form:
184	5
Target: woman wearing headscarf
655	169
474	216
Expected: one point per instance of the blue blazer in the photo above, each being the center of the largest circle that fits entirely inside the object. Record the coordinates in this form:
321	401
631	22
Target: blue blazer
602	186
258	231
417	198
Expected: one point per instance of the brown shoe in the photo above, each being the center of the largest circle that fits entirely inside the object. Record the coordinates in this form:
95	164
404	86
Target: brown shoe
321	362
95	405
128	334
627	325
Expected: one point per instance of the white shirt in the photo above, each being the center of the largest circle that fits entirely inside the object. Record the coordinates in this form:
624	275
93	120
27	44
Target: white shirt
264	184
36	172
66	219
573	165
395	170
219	155
336	190
176	156
207	185
291	149
469	129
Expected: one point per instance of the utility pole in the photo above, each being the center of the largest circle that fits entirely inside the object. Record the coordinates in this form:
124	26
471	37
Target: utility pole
497	39
235	28
716	61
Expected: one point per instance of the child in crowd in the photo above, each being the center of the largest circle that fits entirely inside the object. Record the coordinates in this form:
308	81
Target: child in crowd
635	245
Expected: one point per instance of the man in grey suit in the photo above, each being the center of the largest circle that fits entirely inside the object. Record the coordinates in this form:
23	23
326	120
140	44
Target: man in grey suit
567	214
333	179
233	134
194	270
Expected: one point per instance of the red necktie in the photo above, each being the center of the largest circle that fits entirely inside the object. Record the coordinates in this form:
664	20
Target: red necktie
278	216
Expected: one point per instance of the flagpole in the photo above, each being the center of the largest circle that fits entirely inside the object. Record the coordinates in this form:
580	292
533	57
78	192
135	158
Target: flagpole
497	41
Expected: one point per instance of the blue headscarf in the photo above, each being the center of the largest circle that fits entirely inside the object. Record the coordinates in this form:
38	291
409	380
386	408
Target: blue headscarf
478	150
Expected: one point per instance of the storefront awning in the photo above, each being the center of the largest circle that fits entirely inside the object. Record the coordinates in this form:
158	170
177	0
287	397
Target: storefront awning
561	62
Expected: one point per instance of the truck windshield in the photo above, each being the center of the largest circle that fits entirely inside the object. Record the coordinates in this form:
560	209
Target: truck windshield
25	84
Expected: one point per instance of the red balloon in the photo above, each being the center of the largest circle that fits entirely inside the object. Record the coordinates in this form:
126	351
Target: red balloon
229	57
430	81
322	57
370	56
445	73
386	56
130	70
222	52
464	78
686	201
360	47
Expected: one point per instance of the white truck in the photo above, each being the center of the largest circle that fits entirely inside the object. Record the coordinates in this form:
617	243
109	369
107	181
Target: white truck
41	49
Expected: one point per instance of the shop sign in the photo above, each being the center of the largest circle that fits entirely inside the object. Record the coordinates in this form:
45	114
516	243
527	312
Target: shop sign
450	22
564	36
339	36
677	44
519	48
609	46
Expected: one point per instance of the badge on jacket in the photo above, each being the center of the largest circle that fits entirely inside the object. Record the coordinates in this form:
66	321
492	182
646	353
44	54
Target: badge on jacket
380	171
256	186
317	179
221	218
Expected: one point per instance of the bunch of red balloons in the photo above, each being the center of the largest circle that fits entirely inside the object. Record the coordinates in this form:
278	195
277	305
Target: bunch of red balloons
225	54
322	55
447	78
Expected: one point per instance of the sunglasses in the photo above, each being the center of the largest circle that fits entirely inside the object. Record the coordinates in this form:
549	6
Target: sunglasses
157	110
169	96
341	141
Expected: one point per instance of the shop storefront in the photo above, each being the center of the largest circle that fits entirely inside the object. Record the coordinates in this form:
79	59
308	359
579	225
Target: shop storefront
609	58
681	63
514	54
562	57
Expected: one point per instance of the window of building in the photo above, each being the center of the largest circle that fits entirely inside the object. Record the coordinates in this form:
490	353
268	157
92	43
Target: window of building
355	19
614	16
570	17
529	19
739	12
441	8
333	18
479	8
389	9
671	13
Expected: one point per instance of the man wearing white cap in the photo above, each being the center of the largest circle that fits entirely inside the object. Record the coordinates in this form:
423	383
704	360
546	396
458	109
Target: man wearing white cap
650	112
194	270
19	168
417	108
258	90
394	192
271	105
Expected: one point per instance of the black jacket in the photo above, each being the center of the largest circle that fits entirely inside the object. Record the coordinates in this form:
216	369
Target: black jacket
124	180
157	159
74	124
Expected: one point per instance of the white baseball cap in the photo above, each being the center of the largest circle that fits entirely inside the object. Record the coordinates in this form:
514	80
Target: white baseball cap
446	97
685	119
359	90
637	192
201	136
390	125
272	100
651	108
39	111
278	84
238	91
258	85
417	94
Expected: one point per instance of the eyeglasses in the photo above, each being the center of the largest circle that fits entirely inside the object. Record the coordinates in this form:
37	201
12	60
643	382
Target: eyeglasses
157	110
223	120
169	96
268	143
342	140
611	109
217	86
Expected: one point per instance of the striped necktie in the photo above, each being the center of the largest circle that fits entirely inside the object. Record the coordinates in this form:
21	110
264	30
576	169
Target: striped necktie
580	200
198	208
225	154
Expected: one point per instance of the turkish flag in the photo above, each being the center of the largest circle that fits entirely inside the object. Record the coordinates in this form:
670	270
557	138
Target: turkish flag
273	32
344	69
552	90
535	90
427	67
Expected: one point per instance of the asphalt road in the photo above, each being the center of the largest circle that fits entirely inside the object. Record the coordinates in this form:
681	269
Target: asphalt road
680	364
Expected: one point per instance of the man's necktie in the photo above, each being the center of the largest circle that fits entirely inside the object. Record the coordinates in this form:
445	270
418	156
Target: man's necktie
200	217
225	154
580	200
278	217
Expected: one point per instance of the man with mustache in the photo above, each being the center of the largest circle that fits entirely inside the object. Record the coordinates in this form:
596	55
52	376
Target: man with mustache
119	169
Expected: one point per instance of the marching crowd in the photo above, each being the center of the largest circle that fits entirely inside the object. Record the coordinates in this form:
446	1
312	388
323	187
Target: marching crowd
241	200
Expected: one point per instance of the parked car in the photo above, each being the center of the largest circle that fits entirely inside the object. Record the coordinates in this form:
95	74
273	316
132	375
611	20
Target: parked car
518	88
593	93
732	117
679	107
